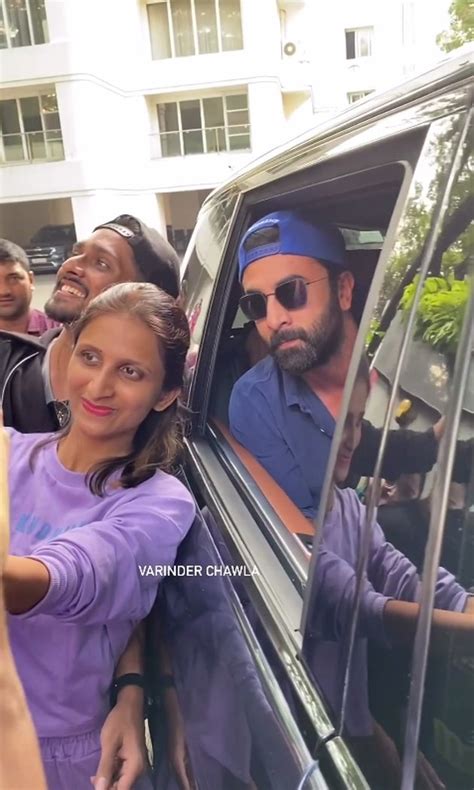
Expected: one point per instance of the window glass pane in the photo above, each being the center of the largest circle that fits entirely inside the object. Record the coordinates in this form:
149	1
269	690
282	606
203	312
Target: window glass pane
192	127
49	110
182	27
158	25
236	117
213	111
447	721
18	23
30	111
168	116
34	137
350	45
51	122
239	142
169	125
206	26
364	42
373	559
170	144
190	114
239	102
214	123
3	32
193	142
215	139
231	25
39	21
238	122
9	125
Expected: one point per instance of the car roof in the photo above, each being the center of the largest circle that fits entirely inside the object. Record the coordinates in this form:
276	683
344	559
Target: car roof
456	69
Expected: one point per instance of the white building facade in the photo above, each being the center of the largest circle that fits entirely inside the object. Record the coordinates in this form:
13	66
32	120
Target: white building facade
143	106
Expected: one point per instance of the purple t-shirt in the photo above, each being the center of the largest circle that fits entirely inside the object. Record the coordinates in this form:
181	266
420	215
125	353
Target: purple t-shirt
390	575
67	646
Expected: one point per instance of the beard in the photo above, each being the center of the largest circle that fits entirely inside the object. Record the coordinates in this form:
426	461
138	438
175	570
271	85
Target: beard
65	313
320	342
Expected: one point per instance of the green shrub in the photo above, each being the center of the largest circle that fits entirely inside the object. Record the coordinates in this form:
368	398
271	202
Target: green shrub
440	312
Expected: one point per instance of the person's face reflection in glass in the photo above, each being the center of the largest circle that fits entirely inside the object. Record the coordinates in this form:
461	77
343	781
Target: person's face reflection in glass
352	430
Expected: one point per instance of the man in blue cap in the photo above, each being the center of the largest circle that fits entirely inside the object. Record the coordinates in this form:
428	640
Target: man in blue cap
298	291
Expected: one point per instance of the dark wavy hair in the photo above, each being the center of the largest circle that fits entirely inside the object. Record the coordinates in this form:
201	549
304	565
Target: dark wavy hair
158	440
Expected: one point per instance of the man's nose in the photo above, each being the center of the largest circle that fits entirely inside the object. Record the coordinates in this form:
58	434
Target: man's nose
5	289
76	264
277	315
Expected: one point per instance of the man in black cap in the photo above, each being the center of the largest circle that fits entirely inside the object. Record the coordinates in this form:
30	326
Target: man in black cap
34	399
33	371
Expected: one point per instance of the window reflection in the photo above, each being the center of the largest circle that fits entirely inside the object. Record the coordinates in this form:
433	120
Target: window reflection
363	561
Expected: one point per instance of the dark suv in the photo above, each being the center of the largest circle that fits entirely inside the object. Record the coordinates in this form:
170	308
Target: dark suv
50	246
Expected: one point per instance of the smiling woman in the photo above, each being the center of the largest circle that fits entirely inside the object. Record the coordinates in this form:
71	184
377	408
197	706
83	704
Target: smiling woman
115	509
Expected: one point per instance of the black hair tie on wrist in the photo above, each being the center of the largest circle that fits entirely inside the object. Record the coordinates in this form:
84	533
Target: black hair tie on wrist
131	679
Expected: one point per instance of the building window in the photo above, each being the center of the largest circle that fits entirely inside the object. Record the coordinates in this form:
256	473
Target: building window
353	97
202	126
22	23
193	27
30	130
359	43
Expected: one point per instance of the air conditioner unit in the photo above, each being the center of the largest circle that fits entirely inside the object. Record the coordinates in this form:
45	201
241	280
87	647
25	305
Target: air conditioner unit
290	49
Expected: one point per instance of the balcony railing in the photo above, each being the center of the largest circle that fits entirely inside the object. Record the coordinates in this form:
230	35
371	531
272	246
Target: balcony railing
44	146
207	140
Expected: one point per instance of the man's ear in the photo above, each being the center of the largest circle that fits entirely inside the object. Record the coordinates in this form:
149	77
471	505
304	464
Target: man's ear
166	399
345	290
32	279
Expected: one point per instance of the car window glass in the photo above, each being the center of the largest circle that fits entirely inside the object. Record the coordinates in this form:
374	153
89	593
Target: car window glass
200	268
360	657
447	716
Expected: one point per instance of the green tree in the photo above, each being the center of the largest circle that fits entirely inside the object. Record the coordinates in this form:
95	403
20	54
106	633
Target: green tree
461	30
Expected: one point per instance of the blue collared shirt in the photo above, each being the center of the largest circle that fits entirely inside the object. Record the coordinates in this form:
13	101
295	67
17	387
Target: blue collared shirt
286	427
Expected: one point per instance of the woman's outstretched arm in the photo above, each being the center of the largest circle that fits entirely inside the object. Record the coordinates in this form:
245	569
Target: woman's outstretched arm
20	761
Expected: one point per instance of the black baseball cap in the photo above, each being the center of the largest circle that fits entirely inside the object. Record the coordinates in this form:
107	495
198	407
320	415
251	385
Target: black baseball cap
154	255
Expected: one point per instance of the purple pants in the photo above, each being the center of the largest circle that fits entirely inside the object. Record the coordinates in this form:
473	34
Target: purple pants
70	762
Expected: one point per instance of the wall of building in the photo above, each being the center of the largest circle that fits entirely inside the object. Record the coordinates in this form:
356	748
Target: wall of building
99	61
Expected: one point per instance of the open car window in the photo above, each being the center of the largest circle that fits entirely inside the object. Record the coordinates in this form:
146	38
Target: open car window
275	522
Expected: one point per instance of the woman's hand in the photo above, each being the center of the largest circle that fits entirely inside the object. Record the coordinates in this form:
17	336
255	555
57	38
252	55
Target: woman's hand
123	759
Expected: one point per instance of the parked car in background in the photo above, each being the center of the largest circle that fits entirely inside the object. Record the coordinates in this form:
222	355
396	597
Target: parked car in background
394	174
49	247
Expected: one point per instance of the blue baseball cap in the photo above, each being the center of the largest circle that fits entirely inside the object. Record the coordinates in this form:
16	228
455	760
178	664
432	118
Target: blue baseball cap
289	233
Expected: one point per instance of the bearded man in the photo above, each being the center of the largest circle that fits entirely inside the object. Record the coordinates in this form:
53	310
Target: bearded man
298	291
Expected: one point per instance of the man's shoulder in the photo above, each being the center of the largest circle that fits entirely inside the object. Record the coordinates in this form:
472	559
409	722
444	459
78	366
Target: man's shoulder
39	322
17	348
21	340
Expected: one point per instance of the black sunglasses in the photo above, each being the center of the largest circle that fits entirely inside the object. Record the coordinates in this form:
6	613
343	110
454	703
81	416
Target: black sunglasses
292	294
